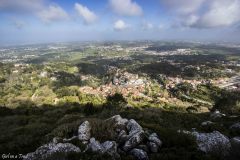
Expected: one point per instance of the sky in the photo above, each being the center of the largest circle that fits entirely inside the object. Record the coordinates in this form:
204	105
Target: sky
41	21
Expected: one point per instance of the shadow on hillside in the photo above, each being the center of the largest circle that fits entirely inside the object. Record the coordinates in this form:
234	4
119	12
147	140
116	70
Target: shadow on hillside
26	128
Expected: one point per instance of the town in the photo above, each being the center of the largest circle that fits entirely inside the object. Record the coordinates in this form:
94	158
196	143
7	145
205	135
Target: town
186	85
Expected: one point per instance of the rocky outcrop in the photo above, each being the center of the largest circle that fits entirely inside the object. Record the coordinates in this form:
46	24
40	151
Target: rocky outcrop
94	146
217	114
84	132
155	143
70	140
110	147
139	154
133	127
207	123
235	127
212	142
135	135
58	151
235	142
130	139
118	121
133	141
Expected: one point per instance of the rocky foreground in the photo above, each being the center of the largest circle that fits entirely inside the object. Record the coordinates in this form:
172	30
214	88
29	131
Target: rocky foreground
131	139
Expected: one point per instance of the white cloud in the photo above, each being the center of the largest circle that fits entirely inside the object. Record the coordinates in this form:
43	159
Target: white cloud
221	13
53	13
125	7
190	20
183	6
203	13
88	16
147	25
120	25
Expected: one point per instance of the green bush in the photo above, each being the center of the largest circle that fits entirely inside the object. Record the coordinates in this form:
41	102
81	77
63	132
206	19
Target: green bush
116	101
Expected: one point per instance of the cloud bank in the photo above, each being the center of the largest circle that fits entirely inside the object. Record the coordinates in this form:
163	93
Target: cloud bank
205	14
120	25
53	13
125	7
88	16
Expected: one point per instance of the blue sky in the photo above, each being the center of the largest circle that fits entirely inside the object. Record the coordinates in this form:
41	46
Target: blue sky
40	21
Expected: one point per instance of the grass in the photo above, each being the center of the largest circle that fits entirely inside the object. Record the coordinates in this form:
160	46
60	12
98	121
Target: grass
24	129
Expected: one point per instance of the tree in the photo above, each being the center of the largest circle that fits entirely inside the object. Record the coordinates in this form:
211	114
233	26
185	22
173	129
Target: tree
115	101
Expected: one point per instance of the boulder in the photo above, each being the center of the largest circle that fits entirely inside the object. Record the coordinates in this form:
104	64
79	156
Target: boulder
133	127
133	141
118	121
143	147
58	151
130	139
57	140
153	147
235	127
70	140
154	138
110	147
84	132
183	131
95	146
207	123
139	154
235	143
216	114
212	142
121	152
122	137
154	143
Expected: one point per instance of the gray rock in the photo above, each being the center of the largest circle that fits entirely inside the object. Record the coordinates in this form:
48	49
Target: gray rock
84	132
155	143
133	141
154	138
212	142
143	147
139	154
183	131
57	140
216	114
118	121
110	147
70	140
122	137
57	151
133	127
235	127
95	146
153	147
207	123
233	116
121	152
235	142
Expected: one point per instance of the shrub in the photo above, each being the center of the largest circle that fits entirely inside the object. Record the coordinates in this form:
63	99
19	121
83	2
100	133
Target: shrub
115	101
229	102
